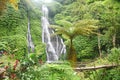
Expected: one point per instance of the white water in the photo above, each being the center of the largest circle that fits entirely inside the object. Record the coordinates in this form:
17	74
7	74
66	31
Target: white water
54	44
30	43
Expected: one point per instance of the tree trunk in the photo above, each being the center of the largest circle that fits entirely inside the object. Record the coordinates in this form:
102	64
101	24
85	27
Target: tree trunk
72	57
114	40
99	45
71	45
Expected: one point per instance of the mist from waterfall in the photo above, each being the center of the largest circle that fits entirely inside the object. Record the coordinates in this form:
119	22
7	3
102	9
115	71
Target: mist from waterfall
54	44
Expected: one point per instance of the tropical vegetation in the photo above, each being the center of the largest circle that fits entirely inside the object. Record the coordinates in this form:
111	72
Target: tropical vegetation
90	30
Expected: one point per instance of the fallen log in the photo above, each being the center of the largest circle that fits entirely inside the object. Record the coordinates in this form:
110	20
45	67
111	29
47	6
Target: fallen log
95	67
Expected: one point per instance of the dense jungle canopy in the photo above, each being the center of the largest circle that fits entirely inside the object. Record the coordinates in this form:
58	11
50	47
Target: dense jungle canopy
90	30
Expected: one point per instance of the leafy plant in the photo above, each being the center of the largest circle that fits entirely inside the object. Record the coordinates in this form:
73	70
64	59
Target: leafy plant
3	45
114	55
16	45
103	74
50	72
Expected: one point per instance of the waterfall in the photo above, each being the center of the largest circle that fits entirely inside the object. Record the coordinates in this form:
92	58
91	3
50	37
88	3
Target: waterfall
30	43
54	44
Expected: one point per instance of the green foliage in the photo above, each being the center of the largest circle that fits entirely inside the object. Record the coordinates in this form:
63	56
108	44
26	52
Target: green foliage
114	55
106	11
85	47
92	1
63	23
16	45
33	57
72	16
103	74
52	8
10	19
36	31
49	72
3	45
111	19
29	60
96	9
64	2
35	28
69	31
13	32
41	52
81	27
73	12
37	36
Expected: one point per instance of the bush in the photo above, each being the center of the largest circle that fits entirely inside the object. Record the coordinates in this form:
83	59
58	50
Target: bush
86	47
114	55
49	72
17	45
105	74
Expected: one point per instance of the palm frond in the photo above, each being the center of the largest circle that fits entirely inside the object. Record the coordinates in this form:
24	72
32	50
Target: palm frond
86	22
61	30
64	23
82	27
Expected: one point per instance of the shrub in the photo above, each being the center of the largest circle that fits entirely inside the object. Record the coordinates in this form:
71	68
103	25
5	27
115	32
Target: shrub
105	74
17	45
49	72
114	55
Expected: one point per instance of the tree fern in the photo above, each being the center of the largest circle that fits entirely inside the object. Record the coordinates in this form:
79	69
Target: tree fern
81	27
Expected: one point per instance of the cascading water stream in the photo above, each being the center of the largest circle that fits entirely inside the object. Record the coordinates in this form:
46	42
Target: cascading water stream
54	44
30	43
